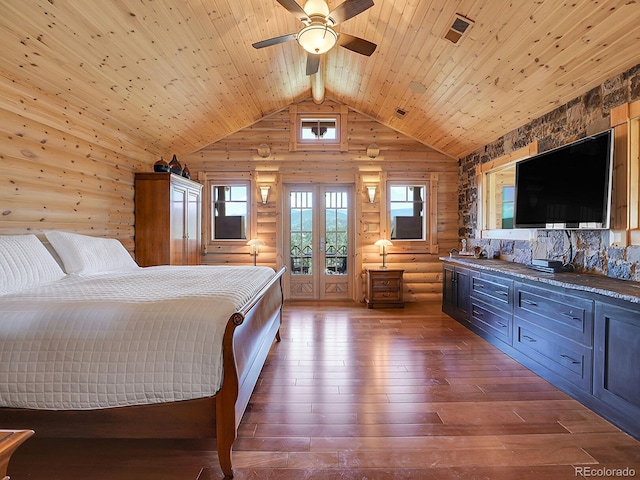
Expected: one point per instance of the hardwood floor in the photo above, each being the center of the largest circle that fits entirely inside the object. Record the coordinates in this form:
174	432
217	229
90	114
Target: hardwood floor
355	393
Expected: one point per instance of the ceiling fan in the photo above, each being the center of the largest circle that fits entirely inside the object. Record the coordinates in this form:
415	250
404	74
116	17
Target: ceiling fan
318	35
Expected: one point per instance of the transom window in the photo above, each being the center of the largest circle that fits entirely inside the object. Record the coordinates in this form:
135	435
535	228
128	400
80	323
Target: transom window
319	129
230	211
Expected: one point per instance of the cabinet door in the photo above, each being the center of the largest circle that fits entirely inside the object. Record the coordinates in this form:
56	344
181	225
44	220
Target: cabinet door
192	240
178	224
455	292
448	290
617	358
463	303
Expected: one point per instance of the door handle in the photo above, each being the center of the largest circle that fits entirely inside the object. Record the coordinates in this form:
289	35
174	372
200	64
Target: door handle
322	244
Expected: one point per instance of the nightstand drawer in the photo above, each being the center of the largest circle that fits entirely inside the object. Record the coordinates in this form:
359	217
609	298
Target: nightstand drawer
385	295
385	284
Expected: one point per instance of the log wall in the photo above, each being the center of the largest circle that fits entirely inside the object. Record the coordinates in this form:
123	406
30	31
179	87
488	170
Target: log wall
400	158
64	169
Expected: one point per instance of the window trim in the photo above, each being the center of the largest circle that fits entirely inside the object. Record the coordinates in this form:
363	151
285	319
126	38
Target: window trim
209	179
296	143
625	208
430	240
482	182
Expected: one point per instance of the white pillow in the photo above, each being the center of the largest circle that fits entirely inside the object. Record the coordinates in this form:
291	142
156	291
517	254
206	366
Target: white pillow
25	263
85	255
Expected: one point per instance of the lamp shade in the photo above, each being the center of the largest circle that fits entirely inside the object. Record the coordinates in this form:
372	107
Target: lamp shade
264	193
255	244
371	190
383	242
317	38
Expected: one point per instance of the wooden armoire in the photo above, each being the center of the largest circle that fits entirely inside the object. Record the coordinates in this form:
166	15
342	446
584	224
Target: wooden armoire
168	215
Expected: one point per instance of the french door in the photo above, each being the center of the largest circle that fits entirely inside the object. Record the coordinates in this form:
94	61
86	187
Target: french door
319	241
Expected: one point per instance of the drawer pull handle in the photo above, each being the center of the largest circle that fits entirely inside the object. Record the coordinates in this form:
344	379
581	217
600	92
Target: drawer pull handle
385	282
386	294
529	302
500	324
502	292
480	313
479	285
568	315
529	339
572	360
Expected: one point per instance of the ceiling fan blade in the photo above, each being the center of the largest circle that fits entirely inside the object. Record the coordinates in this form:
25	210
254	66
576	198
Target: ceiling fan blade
313	63
275	40
349	9
357	44
293	7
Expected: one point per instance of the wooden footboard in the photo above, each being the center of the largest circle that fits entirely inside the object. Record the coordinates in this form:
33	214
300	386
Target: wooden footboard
247	341
248	337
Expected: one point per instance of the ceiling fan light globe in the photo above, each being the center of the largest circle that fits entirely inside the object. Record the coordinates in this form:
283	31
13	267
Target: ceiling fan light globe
316	7
317	38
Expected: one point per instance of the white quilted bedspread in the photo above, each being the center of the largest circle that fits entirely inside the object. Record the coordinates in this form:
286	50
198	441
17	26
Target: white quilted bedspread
146	336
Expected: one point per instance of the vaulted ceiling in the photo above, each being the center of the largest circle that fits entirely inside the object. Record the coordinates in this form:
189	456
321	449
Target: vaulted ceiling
177	75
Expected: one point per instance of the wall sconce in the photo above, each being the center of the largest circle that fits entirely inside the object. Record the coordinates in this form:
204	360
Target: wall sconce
383	243
264	150
373	151
255	245
371	190
264	193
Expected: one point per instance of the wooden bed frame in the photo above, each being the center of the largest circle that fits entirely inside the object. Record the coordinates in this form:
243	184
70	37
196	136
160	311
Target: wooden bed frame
247	340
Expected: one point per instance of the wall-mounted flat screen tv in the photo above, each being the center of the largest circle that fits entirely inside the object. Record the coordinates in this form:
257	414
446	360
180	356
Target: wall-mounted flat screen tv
566	188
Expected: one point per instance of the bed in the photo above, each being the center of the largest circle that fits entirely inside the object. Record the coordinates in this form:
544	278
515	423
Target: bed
91	345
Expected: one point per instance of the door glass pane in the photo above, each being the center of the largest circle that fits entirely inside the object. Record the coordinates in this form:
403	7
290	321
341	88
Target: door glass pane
301	233
336	234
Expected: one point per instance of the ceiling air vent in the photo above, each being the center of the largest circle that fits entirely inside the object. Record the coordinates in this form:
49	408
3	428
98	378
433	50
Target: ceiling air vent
459	26
401	113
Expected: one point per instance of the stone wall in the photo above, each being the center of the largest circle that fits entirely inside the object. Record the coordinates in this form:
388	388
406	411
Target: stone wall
587	250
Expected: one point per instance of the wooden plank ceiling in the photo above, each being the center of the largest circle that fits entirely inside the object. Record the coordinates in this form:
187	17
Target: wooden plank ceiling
176	75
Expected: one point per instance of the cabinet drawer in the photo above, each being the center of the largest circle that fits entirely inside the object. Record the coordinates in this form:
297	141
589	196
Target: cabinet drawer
492	289
568	359
492	321
566	315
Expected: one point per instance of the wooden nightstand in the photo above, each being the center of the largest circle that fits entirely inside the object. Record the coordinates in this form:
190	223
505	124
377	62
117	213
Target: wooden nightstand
9	441
384	288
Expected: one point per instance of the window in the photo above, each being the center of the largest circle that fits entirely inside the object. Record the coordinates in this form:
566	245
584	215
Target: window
230	211
322	129
625	223
496	192
318	129
507	206
407	212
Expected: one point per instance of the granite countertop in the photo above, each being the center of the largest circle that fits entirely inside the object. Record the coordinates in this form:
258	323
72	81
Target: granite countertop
600	284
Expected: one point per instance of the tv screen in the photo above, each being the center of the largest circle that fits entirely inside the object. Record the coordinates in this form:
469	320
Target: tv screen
566	188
